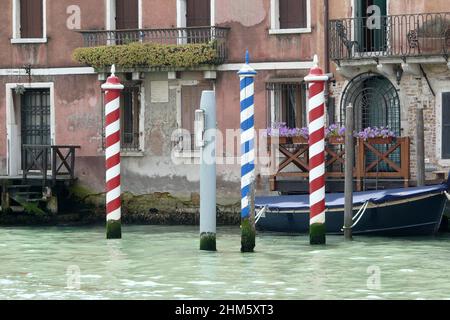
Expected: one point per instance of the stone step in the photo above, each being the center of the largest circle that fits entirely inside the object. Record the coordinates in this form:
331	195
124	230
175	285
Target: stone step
27	195
18	186
35	200
17	209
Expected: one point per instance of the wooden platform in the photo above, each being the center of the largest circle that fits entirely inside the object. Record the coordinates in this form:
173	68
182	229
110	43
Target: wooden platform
36	180
35	177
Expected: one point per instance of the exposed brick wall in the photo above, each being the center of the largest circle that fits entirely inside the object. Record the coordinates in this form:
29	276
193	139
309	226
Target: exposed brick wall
413	92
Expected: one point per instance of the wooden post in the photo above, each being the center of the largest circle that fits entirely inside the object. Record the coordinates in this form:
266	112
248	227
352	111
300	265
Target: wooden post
4	201
361	163
54	155
349	160
420	147
72	163
44	166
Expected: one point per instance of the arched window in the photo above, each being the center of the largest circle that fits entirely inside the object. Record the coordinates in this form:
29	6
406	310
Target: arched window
375	101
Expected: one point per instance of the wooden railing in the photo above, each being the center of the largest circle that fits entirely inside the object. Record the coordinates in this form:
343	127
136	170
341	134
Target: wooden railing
391	155
36	160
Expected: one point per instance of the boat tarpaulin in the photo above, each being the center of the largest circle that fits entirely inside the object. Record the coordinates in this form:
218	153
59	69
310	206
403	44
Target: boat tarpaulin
335	200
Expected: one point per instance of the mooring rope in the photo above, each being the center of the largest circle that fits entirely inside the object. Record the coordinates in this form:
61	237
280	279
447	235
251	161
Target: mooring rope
362	210
261	213
358	216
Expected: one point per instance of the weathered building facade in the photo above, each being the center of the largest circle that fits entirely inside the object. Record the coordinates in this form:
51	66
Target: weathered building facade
48	98
386	66
389	67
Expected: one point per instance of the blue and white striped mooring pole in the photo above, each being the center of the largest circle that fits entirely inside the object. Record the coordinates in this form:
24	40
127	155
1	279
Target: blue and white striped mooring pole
247	76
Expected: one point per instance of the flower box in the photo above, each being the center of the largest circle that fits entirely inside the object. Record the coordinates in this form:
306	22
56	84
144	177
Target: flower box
287	140
380	140
336	140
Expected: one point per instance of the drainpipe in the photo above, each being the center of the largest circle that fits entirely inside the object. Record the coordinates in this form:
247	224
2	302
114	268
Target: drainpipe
326	19
326	46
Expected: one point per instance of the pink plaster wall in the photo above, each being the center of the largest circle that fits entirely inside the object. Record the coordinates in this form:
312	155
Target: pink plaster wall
61	41
78	111
250	23
159	14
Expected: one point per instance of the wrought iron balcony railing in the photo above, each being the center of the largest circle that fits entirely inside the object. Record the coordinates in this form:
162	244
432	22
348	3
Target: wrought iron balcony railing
409	35
173	36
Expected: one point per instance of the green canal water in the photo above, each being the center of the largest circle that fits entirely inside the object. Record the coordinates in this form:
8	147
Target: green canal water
156	262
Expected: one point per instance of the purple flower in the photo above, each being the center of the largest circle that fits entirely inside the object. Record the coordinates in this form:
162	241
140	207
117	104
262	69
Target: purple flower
333	130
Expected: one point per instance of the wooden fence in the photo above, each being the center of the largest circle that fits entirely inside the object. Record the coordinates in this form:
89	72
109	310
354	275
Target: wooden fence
377	158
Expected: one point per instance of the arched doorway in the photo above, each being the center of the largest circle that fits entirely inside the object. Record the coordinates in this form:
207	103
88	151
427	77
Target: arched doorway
375	101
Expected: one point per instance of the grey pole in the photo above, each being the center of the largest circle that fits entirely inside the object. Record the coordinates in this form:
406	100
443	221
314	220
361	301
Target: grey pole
208	174
349	162
420	147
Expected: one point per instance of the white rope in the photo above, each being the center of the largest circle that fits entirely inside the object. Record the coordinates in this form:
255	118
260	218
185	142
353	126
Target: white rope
358	216
361	210
261	213
447	195
362	214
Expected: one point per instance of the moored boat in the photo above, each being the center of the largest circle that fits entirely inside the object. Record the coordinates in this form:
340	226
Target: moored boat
414	211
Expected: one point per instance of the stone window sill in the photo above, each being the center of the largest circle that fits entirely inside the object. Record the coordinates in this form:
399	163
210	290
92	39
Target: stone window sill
444	162
132	153
290	31
28	40
187	154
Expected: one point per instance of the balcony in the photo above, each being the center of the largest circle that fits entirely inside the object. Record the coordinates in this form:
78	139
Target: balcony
415	38
213	38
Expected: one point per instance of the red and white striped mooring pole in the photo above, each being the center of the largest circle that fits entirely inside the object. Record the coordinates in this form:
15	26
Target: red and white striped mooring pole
112	89
316	80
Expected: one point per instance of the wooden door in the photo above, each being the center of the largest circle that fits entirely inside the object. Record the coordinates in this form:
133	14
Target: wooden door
31	19
293	14
127	14
198	13
35	120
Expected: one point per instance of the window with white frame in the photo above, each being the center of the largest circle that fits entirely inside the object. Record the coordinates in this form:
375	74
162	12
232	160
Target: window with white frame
130	105
286	104
29	21
195	13
290	16
188	100
123	14
131	117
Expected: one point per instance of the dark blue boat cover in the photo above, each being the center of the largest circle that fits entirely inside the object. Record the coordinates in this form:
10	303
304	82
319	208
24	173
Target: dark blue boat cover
335	200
